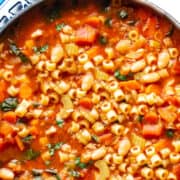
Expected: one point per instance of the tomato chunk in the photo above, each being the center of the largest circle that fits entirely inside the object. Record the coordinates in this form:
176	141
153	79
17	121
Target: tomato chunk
86	103
86	35
10	117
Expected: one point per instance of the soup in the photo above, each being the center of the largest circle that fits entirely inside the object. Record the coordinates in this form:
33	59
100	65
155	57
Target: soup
90	90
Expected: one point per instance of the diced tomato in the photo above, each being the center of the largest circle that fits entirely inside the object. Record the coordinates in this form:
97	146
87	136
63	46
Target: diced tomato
93	21
176	170
176	68
152	130
1	143
90	175
86	35
10	117
86	103
151	117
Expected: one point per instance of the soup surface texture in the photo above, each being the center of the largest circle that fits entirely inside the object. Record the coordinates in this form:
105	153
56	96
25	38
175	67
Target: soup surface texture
91	91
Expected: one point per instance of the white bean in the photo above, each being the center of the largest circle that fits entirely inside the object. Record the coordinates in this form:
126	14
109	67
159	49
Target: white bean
150	78
87	82
124	147
138	66
163	59
98	153
6	174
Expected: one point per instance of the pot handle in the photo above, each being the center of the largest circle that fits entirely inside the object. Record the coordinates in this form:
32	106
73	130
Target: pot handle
168	8
10	10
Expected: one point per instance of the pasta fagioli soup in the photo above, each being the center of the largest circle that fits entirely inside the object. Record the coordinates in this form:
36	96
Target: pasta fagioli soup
90	90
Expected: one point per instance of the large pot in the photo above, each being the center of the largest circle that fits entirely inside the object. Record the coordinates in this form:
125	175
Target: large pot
12	9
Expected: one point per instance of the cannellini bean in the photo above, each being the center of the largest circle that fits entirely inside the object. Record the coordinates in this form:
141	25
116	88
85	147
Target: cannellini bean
6	174
136	54
163	59
37	33
98	153
123	46
150	78
124	146
87	82
57	53
138	66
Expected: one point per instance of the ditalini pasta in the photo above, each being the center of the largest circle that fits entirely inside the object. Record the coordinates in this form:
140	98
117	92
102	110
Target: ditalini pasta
90	90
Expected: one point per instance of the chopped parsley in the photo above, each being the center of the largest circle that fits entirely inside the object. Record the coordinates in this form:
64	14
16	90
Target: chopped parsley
171	31
80	164
31	154
16	51
74	173
140	118
41	49
95	138
9	104
170	133
53	13
53	147
123	14
60	122
27	139
119	76
103	40
108	22
59	27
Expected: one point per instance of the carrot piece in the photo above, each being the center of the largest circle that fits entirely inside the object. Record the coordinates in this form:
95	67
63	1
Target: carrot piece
3	88
19	143
92	52
86	103
131	84
167	114
106	138
25	91
153	88
93	21
85	35
151	117
162	143
6	128
10	116
152	130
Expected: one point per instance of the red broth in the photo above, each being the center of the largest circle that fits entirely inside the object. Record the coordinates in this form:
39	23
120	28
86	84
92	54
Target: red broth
90	91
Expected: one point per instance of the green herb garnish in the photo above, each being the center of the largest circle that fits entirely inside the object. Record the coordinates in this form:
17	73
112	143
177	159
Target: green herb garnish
16	51
74	173
9	104
59	27
31	154
103	40
123	14
27	139
60	122
41	49
108	22
80	164
171	31
140	118
53	147
119	76
170	133
95	138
